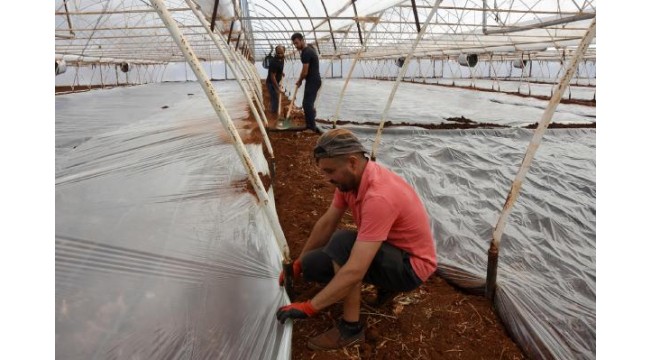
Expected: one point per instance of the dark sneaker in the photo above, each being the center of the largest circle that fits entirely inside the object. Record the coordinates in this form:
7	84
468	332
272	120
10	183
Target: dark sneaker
332	339
315	129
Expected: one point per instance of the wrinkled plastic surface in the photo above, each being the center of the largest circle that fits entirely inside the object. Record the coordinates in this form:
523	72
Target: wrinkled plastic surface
425	104
546	292
160	251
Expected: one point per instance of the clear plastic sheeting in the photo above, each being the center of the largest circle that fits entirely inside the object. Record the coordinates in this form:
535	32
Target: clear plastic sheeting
160	250
523	87
546	284
430	104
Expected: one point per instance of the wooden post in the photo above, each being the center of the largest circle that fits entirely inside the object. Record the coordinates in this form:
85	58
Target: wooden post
375	145
227	123
493	252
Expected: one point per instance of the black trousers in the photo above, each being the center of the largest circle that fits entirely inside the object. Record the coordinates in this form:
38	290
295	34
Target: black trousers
390	269
308	100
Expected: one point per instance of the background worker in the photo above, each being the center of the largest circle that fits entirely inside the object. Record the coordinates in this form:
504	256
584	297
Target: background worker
310	73
274	76
393	248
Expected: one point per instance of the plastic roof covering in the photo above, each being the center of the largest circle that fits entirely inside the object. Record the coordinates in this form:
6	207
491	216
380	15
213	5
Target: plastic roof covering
131	30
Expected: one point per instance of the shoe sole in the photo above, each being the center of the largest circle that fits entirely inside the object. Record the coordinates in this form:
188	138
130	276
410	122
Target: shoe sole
316	347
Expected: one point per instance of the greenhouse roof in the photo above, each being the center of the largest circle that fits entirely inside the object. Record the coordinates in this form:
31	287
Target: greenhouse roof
128	30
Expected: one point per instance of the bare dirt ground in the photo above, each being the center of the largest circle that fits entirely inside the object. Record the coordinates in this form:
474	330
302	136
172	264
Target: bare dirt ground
435	321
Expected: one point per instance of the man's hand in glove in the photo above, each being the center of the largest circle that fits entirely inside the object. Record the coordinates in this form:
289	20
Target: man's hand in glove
297	270
300	310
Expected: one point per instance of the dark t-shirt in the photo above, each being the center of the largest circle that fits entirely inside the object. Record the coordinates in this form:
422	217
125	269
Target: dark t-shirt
276	66
309	56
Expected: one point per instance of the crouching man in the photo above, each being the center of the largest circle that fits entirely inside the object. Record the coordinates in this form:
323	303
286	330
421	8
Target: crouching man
393	249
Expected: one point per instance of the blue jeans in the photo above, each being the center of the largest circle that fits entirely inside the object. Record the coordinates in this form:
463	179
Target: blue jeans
274	97
311	90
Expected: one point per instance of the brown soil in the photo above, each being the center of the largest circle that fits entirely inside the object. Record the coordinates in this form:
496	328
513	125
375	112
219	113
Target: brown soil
562	126
461	123
435	321
82	88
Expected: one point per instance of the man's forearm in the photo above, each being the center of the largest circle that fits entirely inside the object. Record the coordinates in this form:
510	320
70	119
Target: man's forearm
340	286
302	77
276	86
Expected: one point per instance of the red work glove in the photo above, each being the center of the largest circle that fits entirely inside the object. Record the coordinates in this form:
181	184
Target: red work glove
297	270
301	310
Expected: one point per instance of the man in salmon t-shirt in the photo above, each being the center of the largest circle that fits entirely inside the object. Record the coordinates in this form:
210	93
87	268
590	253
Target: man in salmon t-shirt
393	249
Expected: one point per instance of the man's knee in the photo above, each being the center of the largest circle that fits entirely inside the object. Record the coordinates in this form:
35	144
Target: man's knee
317	266
340	246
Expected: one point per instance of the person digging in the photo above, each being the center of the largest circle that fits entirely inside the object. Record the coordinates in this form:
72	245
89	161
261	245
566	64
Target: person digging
393	248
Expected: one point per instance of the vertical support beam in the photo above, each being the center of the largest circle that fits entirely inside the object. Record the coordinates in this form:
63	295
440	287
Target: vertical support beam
485	9
415	13
214	15
227	123
400	76
493	252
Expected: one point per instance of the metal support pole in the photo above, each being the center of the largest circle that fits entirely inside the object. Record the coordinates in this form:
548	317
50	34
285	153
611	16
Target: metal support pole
67	16
214	15
227	123
354	5
330	24
232	25
415	13
375	145
311	20
564	20
493	252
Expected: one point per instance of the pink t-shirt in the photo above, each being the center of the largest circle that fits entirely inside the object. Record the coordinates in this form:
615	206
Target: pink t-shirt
387	208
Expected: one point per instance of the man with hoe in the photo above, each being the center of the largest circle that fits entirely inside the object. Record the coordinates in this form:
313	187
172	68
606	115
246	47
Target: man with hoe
393	247
274	76
311	73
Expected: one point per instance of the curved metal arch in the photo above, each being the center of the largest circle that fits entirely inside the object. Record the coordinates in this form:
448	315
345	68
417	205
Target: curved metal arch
328	23
269	40
265	30
278	9
294	14
273	23
312	26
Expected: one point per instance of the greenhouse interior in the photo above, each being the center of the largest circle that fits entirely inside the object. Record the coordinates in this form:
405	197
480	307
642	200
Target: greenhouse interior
180	194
